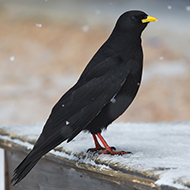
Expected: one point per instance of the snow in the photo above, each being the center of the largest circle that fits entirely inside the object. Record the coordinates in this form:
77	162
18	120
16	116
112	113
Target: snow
188	8
113	100
39	25
158	148
85	28
12	58
169	176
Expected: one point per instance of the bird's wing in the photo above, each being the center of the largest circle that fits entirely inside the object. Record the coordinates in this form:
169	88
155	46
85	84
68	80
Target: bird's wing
75	110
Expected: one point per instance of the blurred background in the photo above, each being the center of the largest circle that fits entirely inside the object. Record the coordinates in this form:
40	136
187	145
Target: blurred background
45	45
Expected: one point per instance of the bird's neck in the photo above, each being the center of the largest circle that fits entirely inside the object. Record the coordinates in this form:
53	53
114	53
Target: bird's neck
119	40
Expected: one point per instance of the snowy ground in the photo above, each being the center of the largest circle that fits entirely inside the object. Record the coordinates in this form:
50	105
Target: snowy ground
158	148
36	71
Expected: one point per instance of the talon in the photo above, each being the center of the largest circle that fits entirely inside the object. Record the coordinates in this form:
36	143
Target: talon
93	149
113	148
114	152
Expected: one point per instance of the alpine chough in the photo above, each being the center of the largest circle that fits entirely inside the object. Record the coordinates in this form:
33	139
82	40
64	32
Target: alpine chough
105	89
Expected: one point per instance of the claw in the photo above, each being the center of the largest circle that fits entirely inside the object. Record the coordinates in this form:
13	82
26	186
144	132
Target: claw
99	149
113	148
114	152
93	150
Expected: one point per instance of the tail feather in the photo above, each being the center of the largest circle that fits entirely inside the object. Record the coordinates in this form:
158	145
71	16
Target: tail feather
34	156
20	172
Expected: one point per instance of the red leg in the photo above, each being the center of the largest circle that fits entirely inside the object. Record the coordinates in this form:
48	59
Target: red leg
97	145
108	149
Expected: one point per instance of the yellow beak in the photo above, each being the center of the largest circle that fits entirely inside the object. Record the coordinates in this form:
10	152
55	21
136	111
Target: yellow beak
149	19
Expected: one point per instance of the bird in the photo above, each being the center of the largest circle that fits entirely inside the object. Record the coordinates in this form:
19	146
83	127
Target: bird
103	92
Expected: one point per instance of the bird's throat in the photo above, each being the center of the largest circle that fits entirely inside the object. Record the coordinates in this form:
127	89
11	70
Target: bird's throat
118	42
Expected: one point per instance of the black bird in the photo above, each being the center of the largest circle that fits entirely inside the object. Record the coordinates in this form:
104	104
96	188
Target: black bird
103	92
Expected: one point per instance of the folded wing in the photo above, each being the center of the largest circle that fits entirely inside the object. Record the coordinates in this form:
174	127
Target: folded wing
76	109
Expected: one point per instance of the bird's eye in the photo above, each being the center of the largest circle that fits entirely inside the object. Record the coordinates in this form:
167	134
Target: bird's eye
144	17
133	18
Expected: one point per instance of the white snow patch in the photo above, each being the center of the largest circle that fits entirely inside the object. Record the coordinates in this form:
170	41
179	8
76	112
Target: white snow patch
17	141
170	178
28	131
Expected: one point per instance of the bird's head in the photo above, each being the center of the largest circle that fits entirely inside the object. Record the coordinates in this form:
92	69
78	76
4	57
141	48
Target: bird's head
134	21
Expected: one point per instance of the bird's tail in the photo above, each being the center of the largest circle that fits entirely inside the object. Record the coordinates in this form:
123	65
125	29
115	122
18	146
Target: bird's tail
42	146
24	168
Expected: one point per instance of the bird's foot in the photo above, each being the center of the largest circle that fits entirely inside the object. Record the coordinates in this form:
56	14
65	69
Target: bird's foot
99	149
108	149
113	152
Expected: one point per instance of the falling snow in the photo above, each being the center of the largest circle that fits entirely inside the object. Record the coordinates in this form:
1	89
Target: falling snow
12	58
113	100
188	8
85	28
39	25
67	122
